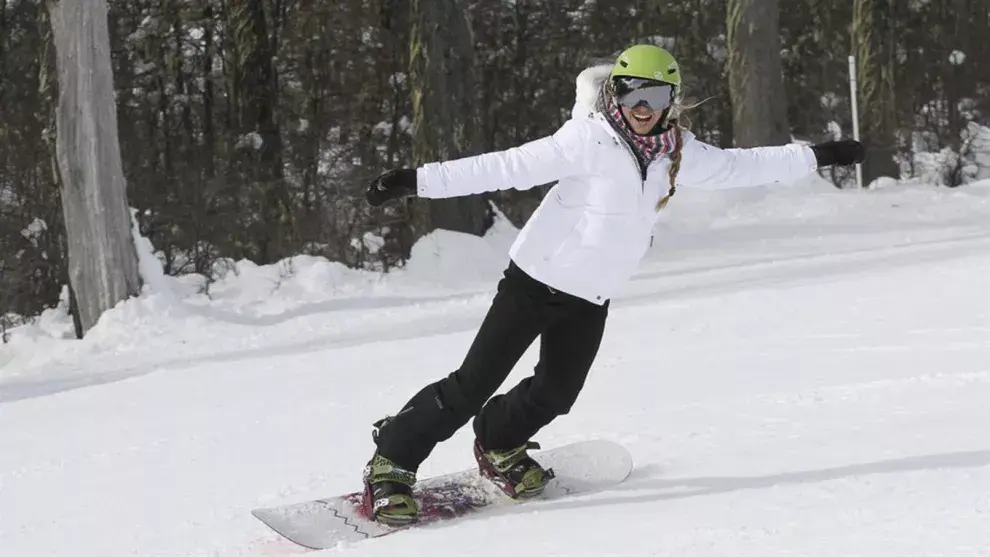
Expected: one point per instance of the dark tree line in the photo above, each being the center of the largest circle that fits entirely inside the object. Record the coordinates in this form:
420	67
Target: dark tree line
249	128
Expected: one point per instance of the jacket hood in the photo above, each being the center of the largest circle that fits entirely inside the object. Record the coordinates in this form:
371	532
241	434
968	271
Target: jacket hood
588	84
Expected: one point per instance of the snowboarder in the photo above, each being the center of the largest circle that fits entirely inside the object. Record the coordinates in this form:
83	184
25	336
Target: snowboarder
616	163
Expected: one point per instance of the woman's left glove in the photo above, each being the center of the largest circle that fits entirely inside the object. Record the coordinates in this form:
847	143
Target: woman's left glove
394	184
844	153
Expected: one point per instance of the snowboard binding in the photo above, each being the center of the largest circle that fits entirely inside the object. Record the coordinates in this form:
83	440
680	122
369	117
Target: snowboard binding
388	487
514	471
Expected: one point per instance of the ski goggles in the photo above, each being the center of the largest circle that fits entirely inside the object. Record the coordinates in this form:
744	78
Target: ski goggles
630	92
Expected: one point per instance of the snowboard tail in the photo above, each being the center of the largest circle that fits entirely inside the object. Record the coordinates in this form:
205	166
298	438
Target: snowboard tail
580	467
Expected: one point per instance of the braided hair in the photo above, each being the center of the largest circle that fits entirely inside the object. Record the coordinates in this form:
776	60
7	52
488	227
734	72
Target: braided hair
674	121
675	163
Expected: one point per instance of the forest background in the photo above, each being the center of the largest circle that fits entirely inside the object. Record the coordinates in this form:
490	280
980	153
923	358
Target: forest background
249	129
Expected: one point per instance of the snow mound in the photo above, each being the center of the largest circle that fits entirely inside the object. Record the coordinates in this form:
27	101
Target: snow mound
248	293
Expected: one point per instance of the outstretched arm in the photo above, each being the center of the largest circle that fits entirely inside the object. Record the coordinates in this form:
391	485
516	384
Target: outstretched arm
709	167
532	164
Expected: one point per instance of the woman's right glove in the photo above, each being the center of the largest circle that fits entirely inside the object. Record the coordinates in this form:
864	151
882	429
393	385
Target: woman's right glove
394	184
844	153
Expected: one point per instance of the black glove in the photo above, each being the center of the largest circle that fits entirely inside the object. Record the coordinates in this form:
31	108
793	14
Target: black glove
394	184
844	153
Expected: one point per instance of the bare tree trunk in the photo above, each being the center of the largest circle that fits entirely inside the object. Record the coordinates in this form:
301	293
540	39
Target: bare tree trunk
874	44
444	108
103	266
260	164
756	84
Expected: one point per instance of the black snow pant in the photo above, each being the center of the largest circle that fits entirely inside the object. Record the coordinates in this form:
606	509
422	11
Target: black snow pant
571	331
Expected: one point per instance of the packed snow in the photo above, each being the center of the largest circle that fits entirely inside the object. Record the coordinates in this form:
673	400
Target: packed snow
796	370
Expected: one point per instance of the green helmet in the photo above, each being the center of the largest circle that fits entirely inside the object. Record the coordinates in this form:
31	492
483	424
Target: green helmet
647	61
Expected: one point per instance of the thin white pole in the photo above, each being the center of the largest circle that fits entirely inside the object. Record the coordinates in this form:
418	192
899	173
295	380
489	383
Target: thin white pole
853	87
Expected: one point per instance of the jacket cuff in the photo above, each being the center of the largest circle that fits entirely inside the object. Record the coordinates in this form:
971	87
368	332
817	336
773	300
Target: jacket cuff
430	183
422	182
811	158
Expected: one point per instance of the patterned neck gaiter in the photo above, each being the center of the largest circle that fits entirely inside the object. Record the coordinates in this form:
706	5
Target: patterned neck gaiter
647	147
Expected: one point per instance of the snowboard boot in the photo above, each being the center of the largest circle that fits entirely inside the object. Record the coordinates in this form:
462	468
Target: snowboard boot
388	488
513	470
388	492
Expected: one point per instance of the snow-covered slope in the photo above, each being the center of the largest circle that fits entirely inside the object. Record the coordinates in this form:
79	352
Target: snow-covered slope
796	371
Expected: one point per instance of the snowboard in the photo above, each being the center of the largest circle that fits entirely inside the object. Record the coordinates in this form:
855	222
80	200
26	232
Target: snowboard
580	467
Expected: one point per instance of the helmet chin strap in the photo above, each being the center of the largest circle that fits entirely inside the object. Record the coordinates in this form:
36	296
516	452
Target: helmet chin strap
664	123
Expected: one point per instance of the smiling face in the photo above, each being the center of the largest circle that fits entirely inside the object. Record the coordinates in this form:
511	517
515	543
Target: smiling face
643	101
641	119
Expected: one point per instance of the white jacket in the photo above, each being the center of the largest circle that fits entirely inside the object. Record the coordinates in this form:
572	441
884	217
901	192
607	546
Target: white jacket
593	227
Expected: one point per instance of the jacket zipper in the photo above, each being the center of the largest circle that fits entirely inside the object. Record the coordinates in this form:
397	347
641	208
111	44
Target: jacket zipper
642	171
